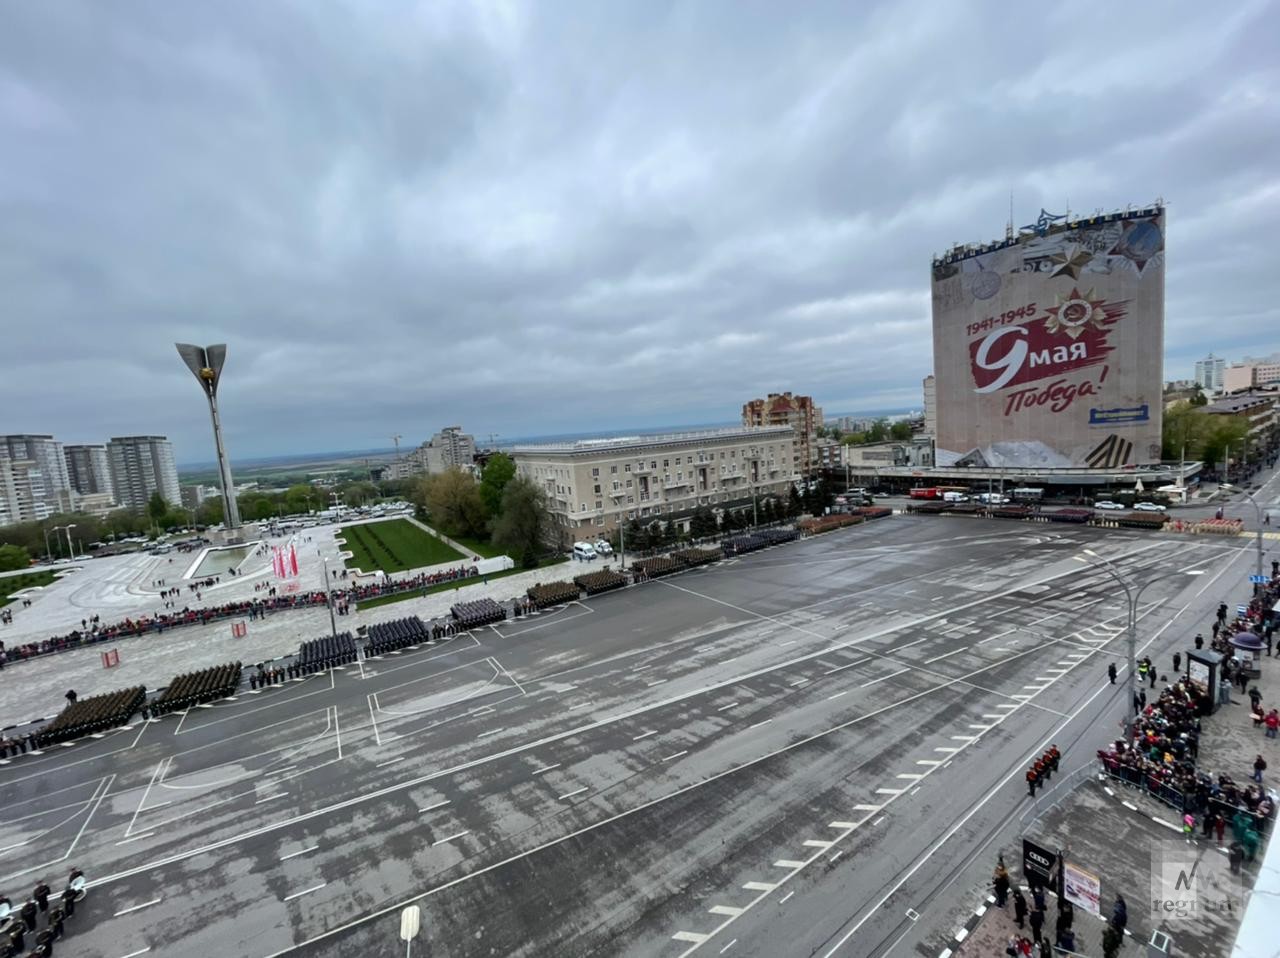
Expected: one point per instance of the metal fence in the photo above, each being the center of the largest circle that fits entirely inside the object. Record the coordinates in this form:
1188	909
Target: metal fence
1179	800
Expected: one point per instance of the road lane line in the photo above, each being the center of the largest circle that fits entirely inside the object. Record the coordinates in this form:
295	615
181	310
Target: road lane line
652	731
450	838
285	858
938	658
431	808
675	756
132	908
576	791
306	891
546	768
884	678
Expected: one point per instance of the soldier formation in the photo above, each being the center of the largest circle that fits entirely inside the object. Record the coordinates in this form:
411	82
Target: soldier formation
16	924
1042	769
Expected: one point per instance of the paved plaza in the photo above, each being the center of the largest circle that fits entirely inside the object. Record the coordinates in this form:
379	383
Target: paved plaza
795	752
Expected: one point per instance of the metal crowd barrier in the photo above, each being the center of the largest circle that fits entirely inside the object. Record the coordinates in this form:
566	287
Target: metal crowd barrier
1176	799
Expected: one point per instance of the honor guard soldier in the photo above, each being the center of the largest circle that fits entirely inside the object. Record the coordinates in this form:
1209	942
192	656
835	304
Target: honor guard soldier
41	895
1046	760
1041	775
1054	756
28	913
1033	779
17	939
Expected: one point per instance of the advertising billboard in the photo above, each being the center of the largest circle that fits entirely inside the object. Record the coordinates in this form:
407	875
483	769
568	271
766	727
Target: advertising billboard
1048	347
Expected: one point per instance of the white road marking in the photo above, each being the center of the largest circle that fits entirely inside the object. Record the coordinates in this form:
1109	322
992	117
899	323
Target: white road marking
650	685
782	900
799	682
652	731
306	891
759	886
270	798
878	821
758	724
944	655
889	791
431	808
884	678
817	843
285	858
580	705
964	738
728	946
866	808
725	707
135	954
546	768
946	748
691	936
450	838
928	761
725	910
787	863
391	761
576	791
675	756
491	732
841	668
131	908
910	776
844	825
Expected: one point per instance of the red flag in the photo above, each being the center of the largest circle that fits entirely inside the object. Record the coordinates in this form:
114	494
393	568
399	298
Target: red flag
293	559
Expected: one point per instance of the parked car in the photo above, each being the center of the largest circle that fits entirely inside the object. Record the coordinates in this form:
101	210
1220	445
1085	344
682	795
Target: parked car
602	547
954	497
1108	505
1149	507
584	551
993	499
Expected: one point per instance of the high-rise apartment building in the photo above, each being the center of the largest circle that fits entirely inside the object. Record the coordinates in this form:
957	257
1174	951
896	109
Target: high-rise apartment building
35	484
449	448
89	469
798	412
140	466
1210	373
593	485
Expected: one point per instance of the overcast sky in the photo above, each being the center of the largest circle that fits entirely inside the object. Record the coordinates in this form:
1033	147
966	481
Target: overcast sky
530	219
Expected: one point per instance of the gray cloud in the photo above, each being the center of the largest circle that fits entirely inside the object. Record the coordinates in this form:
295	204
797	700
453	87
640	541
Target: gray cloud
551	217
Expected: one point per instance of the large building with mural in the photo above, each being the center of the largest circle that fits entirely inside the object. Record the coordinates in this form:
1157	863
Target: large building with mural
1048	346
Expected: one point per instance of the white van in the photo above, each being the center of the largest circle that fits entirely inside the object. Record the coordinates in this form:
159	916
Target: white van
602	547
584	551
954	497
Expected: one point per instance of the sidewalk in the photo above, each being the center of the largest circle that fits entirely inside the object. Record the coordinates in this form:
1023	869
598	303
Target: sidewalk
1126	837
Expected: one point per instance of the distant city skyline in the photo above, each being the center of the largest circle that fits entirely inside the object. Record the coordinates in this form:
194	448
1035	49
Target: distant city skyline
577	218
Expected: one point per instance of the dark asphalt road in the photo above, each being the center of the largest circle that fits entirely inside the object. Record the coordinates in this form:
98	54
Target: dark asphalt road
745	759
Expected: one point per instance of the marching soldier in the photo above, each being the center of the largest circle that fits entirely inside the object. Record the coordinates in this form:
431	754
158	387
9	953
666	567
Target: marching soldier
41	895
1046	760
1041	772
1033	779
55	921
28	914
17	939
1054	756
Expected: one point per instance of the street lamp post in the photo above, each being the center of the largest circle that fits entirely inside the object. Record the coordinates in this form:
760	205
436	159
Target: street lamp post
1259	510
1132	641
328	596
622	534
71	549
48	554
55	530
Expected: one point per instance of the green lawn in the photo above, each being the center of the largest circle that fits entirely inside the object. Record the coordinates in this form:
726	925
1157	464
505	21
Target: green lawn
394	546
16	583
482	548
446	586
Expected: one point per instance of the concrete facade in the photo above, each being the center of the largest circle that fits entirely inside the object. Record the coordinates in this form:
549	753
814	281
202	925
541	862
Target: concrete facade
930	405
1210	372
35	484
140	466
447	449
798	412
1251	373
592	484
89	469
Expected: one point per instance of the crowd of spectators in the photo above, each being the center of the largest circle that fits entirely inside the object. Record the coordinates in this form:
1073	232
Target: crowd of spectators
93	631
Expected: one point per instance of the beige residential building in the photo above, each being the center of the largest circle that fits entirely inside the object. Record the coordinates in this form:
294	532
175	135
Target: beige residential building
592	484
798	412
1251	373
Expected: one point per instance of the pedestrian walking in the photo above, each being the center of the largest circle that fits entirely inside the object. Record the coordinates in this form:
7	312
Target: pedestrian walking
1019	907
1199	641
1235	855
1120	914
1000	882
1259	766
1111	672
1220	826
1032	781
1177	661
1272	722
1151	674
1036	920
1243	678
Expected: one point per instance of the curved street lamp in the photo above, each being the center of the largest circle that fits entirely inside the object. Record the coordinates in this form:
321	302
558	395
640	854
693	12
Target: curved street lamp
1133	597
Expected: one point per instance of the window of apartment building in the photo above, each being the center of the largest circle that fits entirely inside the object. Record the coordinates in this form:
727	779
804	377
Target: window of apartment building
595	470
631	500
733	454
582	507
628	483
599	520
613	470
597	489
599	503
666	463
653	464
627	467
616	485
